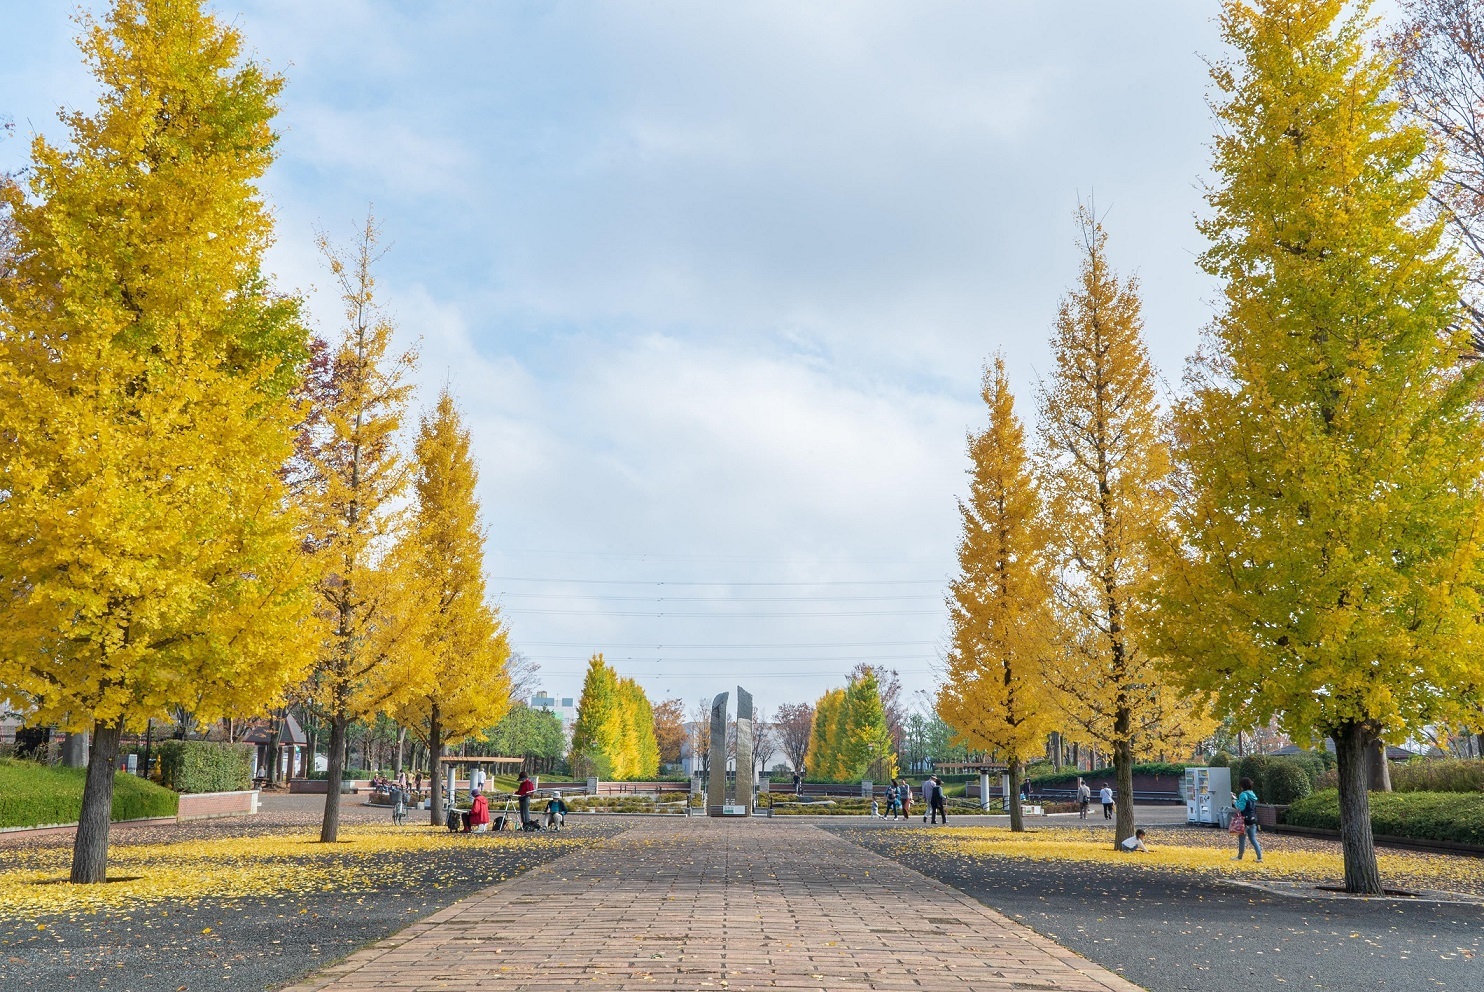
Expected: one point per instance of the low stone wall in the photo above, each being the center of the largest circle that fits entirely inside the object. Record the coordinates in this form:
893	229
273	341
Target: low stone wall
319	786
206	805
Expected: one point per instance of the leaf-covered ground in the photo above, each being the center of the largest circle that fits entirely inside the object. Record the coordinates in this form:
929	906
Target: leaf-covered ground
1173	920
242	904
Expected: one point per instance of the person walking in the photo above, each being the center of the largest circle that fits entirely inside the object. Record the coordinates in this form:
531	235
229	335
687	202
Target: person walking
797	781
1105	796
904	797
1084	799
927	796
1246	804
524	787
939	807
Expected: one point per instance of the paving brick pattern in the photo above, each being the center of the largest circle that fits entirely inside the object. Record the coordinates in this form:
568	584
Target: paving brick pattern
701	904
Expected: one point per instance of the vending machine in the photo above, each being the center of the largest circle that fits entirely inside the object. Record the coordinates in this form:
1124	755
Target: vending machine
1207	792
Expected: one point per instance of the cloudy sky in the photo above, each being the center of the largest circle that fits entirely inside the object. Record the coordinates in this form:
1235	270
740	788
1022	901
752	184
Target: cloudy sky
714	283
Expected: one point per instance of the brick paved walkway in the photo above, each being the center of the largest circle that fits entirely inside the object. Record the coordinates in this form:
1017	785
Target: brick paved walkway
717	904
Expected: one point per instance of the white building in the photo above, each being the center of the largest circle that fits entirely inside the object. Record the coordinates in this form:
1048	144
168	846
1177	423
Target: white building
565	707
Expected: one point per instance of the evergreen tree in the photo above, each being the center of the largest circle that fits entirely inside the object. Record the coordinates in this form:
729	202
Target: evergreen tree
464	644
147	552
1331	447
1105	468
1000	606
865	745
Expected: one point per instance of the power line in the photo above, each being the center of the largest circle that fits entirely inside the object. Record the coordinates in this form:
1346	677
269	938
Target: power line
730	646
714	599
669	582
741	661
755	559
706	616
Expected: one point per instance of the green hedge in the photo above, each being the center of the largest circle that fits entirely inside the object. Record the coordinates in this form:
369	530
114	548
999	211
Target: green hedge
1070	777
1450	816
1438	775
33	795
206	766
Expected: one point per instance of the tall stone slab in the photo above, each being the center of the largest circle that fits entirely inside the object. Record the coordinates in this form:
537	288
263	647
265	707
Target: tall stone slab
744	749
716	782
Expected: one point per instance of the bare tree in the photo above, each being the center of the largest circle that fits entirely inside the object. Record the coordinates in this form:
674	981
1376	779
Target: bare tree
792	724
524	674
764	740
1439	48
700	737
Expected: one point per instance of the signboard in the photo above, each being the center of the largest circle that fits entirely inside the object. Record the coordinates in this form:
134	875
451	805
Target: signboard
734	811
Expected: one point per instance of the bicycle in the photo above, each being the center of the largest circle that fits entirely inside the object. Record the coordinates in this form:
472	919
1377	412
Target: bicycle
399	807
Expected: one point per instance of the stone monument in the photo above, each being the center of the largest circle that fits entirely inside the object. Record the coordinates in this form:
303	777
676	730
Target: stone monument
717	798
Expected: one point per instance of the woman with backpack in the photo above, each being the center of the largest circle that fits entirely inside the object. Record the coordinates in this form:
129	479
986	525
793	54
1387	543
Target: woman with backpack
1246	804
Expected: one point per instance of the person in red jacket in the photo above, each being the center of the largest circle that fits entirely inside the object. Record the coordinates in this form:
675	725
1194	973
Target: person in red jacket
523	790
478	819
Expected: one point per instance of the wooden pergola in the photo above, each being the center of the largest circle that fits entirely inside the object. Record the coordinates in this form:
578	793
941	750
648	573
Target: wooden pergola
454	759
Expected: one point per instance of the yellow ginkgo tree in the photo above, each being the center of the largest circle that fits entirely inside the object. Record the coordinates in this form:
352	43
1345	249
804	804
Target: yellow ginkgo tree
995	691
148	555
466	688
353	483
1104	471
1327	571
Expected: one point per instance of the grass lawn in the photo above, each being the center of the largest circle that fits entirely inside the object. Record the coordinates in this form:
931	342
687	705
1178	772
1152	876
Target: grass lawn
33	795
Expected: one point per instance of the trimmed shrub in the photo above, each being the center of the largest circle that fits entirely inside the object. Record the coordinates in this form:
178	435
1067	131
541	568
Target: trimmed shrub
1221	759
33	795
1284	782
1255	767
206	766
1438	775
1449	816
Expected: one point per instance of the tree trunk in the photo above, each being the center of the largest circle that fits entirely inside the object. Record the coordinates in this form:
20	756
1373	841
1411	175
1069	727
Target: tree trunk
435	751
1362	875
1378	767
329	830
274	757
1123	773
401	747
1017	815
1056	752
90	846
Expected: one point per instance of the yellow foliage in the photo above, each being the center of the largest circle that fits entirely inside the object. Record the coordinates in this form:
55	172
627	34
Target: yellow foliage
147	548
1106	474
1206	852
614	733
233	867
995	694
464	643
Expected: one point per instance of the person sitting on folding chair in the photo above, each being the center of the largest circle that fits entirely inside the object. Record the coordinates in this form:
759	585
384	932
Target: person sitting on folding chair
478	820
556	812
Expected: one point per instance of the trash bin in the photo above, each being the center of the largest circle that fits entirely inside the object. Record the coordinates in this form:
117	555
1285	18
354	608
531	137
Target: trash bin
1224	817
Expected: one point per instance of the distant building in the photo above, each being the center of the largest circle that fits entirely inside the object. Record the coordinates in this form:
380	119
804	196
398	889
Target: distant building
565	707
